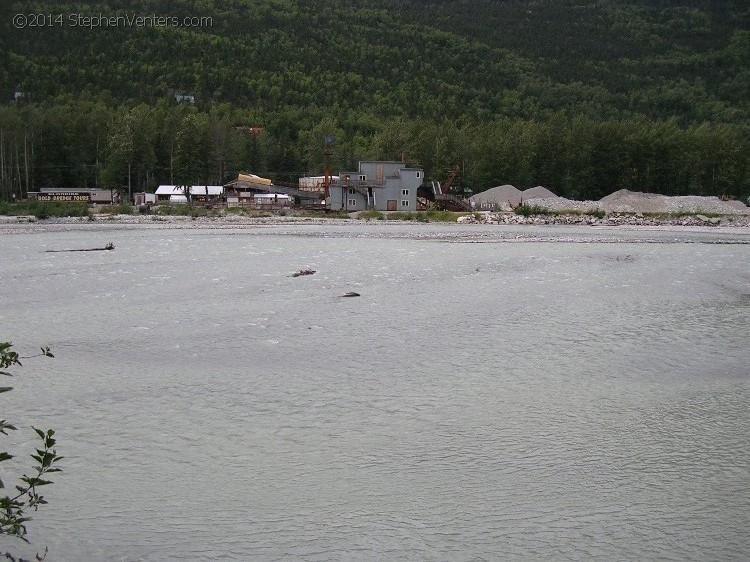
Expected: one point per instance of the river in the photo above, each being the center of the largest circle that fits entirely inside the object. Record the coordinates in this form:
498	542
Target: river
494	393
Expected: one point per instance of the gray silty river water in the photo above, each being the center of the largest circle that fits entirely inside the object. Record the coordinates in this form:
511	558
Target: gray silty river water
584	395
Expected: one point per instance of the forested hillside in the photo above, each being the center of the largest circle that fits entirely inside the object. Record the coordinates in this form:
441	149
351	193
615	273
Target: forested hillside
583	97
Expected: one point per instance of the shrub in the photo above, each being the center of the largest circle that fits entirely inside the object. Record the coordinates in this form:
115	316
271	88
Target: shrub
442	216
371	214
46	209
118	209
526	210
197	211
173	210
15	507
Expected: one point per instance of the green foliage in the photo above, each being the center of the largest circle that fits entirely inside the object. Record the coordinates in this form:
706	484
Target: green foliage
526	210
370	215
46	209
196	212
119	209
403	216
442	216
15	507
182	210
417	216
404	58
649	96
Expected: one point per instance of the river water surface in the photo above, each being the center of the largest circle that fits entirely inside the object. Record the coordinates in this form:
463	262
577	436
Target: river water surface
556	393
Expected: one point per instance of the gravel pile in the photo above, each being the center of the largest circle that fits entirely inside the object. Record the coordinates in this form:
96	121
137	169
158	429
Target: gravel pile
635	201
562	204
538	192
505	197
501	197
625	201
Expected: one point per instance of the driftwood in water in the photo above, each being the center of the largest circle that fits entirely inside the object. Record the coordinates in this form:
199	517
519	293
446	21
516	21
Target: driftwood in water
350	294
106	248
303	272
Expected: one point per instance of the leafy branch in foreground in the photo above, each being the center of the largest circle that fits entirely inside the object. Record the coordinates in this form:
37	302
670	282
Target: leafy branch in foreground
15	507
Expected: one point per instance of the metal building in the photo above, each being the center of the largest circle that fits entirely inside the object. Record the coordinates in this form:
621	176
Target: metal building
378	185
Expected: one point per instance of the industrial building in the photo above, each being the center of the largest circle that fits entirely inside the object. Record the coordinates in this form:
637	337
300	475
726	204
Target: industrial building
252	189
378	185
315	183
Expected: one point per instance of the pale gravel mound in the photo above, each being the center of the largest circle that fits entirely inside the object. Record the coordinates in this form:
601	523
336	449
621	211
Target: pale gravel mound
624	194
635	201
502	196
538	192
738	205
562	204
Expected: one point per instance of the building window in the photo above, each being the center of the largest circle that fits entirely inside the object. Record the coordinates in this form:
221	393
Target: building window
362	177
404	202
405	192
419	174
352	202
351	191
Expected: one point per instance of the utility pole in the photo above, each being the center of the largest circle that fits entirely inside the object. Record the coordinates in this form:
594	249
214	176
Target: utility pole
18	173
327	152
2	164
26	160
130	197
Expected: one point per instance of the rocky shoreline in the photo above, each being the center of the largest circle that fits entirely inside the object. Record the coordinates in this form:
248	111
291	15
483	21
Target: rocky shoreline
612	219
26	223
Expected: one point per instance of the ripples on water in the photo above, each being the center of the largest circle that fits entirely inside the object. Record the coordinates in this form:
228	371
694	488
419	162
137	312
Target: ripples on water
478	401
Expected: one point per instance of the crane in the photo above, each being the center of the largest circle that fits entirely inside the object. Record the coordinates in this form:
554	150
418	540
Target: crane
445	189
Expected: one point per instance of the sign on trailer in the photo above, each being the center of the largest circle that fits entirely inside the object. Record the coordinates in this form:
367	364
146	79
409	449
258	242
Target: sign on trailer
62	196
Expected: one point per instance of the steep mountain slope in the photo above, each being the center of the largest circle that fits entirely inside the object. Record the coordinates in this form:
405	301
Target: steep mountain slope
457	58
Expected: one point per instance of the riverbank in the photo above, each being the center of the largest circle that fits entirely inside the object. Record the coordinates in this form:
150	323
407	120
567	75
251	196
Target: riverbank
612	219
665	220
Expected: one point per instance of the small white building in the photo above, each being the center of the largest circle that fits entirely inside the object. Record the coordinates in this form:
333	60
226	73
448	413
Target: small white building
142	198
198	193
